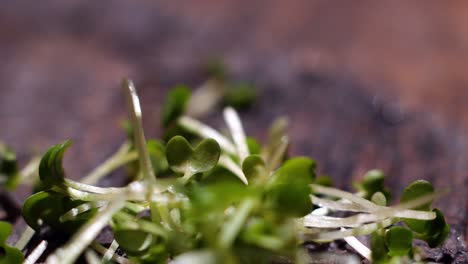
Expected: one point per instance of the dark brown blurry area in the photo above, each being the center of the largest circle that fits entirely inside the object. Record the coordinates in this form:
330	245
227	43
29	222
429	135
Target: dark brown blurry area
366	84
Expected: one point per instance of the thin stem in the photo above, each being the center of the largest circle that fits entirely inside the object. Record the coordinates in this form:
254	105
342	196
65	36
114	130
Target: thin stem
36	253
85	235
232	227
26	236
92	258
93	189
205	131
120	158
205	98
358	246
228	163
102	250
110	251
345	195
140	141
30	170
237	132
277	154
187	175
358	231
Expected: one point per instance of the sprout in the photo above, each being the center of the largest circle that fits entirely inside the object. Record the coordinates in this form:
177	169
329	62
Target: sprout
8	254
182	158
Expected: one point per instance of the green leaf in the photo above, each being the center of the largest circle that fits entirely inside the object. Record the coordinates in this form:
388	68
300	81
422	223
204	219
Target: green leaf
254	146
254	168
324	180
240	95
399	241
182	157
8	254
47	207
436	230
379	199
133	242
50	168
415	190
9	173
288	189
373	182
378	248
175	104
157	153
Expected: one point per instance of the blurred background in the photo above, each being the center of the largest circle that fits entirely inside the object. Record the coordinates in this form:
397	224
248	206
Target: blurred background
368	84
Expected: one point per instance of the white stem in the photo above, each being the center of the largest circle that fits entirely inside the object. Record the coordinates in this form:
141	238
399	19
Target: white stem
278	154
30	169
237	132
140	141
92	258
70	215
93	189
36	253
338	205
205	131
205	98
358	246
102	250
120	158
358	231
110	251
85	235
345	195
235	223
228	163
27	234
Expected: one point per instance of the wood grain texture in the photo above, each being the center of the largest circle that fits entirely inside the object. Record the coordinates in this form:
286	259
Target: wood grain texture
366	84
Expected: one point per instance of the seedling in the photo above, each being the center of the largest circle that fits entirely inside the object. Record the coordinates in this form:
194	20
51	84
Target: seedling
229	199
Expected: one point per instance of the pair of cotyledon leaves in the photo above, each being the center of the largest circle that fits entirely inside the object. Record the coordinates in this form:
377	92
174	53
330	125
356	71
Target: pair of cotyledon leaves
389	245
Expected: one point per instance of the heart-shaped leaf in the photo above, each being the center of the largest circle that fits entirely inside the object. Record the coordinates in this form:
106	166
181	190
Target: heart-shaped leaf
8	254
399	241
175	104
288	189
182	158
415	190
9	174
50	168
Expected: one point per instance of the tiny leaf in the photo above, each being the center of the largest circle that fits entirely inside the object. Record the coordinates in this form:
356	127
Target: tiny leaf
373	182
175	104
254	167
9	174
8	254
240	95
415	190
436	230
288	189
399	241
182	157
50	168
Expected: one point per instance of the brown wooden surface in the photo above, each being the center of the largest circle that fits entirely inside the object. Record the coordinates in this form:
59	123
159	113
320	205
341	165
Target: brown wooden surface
366	84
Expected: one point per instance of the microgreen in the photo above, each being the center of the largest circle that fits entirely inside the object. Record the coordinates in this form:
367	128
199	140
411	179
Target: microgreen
175	104
182	158
9	173
8	254
238	201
